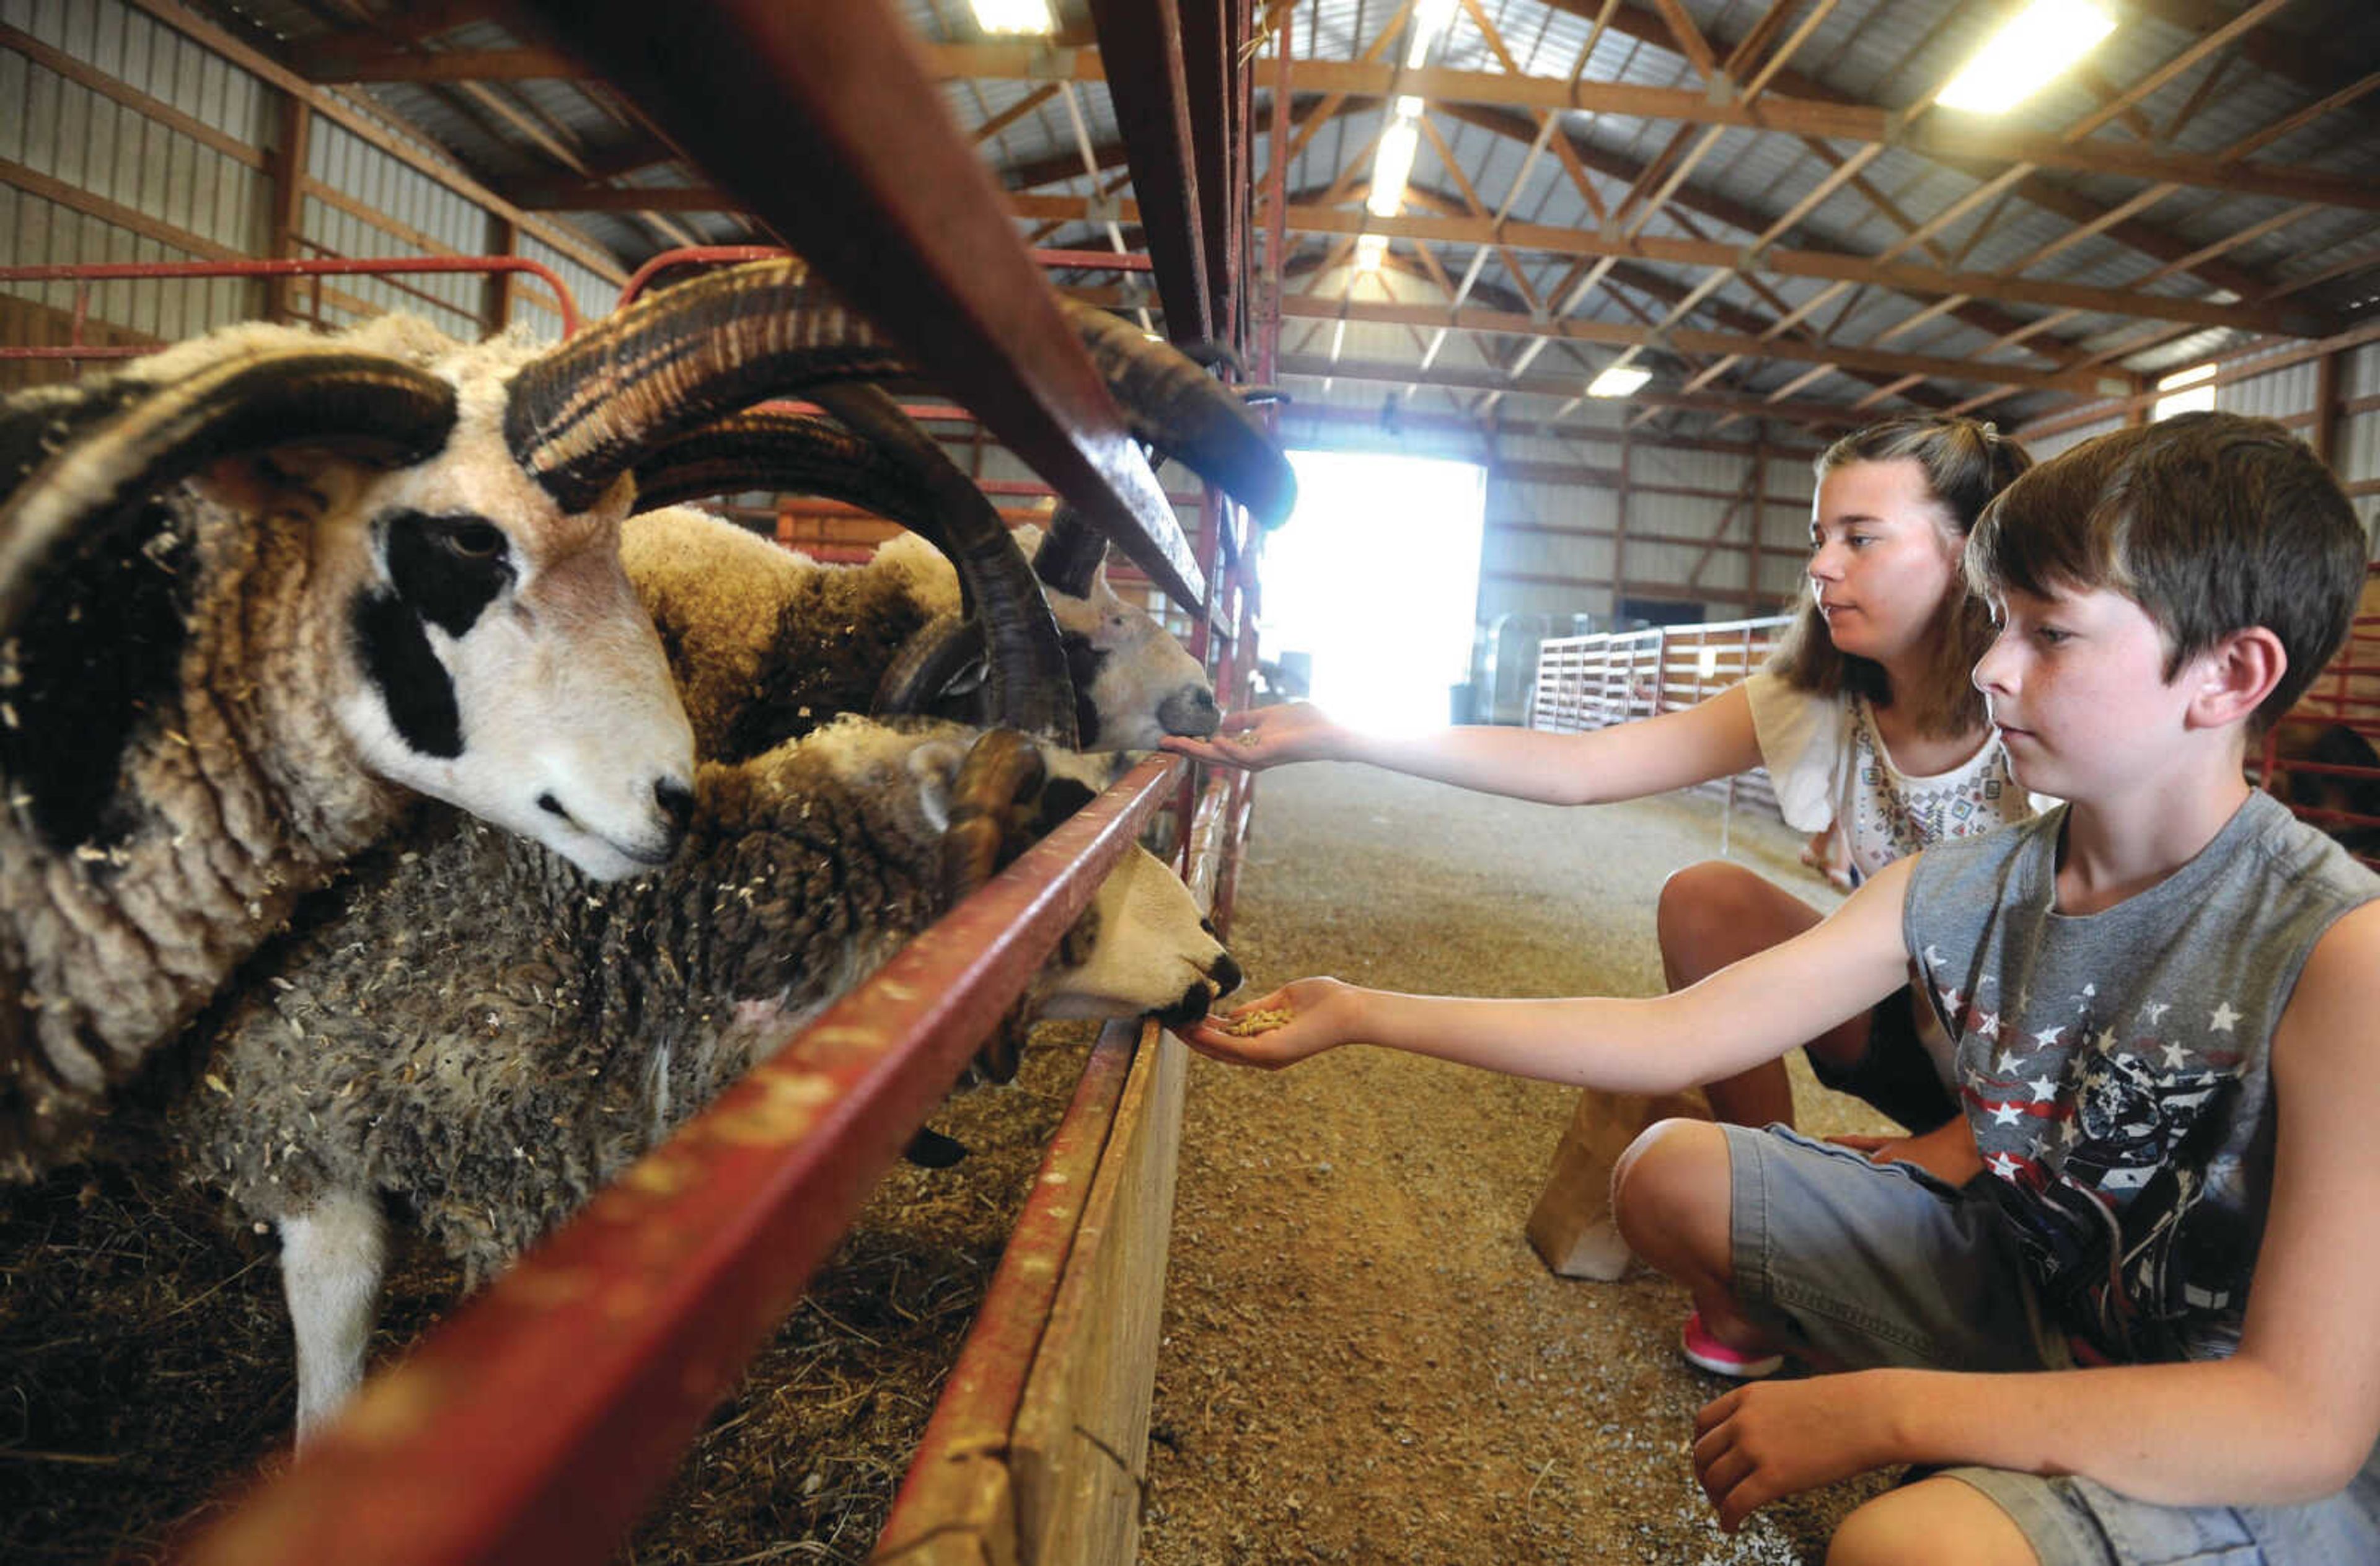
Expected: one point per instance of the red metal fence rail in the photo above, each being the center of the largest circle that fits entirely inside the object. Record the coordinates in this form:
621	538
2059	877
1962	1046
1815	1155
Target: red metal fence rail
535	1423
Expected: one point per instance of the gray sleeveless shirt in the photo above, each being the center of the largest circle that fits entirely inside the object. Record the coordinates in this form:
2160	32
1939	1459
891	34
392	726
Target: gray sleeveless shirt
2113	1065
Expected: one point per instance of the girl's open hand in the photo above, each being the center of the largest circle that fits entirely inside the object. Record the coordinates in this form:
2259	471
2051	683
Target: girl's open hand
1265	737
1302	1018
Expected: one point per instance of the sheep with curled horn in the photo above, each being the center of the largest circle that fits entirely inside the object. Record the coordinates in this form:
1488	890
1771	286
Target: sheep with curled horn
475	1037
257	589
467	1024
767	643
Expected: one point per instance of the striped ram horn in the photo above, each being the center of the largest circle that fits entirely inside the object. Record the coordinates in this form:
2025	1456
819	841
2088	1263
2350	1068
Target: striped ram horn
592	408
81	466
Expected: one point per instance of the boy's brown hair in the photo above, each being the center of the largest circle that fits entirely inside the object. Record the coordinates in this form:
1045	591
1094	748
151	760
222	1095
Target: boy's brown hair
2211	522
1965	464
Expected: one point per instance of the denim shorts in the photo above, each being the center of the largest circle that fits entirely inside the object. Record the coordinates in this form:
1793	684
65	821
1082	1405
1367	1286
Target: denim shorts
1856	1264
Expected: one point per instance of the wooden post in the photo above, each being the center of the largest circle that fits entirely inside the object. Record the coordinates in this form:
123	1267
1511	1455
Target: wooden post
1759	515
287	172
2325	406
1619	534
1570	1227
503	287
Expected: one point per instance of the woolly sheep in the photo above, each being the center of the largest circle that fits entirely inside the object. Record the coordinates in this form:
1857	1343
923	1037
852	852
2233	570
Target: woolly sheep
255	587
786	642
472	1026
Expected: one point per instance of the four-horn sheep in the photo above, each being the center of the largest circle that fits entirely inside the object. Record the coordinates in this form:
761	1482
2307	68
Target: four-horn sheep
470	1028
767	643
257	590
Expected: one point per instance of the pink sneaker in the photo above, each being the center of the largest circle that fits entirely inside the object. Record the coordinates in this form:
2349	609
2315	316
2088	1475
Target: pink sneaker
1701	1349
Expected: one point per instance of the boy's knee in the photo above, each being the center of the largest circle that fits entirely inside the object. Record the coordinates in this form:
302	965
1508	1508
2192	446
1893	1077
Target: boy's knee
1939	1521
1670	1192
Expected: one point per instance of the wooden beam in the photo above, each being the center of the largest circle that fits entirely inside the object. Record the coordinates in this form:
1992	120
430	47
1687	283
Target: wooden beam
1564	388
1830	265
288	175
1686	340
370	125
1860	123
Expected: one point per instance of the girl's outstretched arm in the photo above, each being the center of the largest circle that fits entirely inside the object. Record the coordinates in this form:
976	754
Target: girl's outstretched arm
1714	738
1751	1011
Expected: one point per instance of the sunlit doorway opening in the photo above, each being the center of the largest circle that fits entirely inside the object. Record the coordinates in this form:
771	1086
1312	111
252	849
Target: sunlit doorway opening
1376	582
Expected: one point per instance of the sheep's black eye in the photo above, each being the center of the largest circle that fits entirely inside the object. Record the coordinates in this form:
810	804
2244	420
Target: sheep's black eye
475	541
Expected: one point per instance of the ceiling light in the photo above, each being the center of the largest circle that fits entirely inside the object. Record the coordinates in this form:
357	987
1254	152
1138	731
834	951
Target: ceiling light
1619	380
1013	16
1369	249
2187	391
2045	38
1389	167
1429	19
1408	106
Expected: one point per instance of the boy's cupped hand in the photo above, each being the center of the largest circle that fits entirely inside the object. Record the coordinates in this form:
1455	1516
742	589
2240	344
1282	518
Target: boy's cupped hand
1302	1017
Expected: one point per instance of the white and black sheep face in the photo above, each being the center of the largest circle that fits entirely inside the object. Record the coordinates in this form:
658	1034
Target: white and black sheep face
503	662
1142	947
1133	683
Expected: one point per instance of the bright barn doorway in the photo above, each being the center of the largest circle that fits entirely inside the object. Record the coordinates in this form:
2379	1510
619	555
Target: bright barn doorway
1376	581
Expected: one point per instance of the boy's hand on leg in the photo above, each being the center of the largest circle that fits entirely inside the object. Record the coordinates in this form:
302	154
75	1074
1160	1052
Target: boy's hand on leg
1948	1152
1771	1439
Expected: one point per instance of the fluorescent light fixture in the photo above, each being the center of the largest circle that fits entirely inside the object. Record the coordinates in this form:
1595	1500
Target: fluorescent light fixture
2188	391
1408	106
1619	380
1369	249
1013	16
1429	19
1389	166
2043	39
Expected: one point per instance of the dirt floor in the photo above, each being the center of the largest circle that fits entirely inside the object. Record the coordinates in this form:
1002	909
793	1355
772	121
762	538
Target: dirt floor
1362	1360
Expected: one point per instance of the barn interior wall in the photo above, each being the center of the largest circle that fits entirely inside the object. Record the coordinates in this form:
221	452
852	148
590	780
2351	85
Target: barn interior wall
122	140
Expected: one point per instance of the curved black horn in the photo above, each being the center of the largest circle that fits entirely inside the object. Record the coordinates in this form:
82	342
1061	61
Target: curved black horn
1070	554
934	656
1026	683
386	410
1180	409
579	416
797	452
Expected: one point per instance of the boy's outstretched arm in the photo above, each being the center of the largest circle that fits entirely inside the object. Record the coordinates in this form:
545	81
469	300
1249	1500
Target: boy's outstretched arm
1714	738
1738	1017
2291	1417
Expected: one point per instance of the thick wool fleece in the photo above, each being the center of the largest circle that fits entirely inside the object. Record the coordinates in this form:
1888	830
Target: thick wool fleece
173	788
767	644
470	1024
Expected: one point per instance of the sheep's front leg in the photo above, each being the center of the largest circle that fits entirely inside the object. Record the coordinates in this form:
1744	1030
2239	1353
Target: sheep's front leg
332	1256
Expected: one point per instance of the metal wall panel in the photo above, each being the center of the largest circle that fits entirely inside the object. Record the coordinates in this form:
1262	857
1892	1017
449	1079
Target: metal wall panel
66	131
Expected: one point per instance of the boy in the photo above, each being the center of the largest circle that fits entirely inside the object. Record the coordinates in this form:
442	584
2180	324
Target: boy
2165	999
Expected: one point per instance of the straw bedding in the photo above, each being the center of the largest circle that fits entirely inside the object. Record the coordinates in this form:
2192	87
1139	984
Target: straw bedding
1361	1359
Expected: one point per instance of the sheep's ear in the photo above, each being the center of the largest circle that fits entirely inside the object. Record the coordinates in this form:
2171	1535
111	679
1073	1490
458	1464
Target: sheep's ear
934	768
321	478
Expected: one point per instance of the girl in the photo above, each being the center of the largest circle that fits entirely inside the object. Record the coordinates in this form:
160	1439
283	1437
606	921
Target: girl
1868	724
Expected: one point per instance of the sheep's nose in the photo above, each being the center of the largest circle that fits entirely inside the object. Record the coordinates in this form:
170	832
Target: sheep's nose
1226	976
676	801
1192	712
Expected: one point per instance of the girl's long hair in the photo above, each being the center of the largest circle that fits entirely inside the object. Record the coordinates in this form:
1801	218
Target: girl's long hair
1965	464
